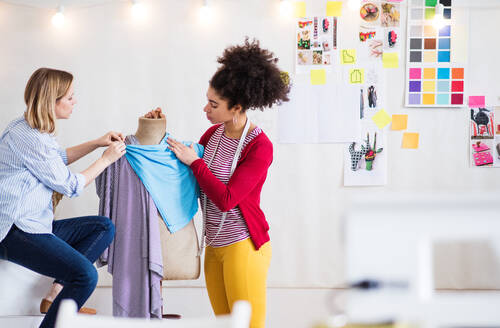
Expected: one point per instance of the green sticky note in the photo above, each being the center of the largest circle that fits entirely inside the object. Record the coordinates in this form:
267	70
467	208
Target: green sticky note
430	13
390	59
410	140
299	9
334	8
348	56
399	122
318	76
381	118
357	76
430	3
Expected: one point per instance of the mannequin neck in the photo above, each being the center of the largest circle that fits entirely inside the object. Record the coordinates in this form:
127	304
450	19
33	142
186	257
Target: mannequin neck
151	131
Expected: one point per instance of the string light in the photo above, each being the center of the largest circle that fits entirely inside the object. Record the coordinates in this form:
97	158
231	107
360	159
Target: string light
205	12
58	18
438	20
286	8
138	10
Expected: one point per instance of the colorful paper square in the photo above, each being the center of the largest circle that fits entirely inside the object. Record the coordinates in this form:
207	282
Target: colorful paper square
447	13
443	99
415	43
443	86
457	86
429	31
430	43
334	8
445	30
429	86
429	73
416	31
415	73
318	76
415	86
443	73
415	56
477	101
430	3
457	73
444	43
381	118
428	99
457	98
414	99
410	140
443	56
430	13
399	122
430	56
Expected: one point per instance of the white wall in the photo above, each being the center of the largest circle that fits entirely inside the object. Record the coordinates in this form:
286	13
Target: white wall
123	69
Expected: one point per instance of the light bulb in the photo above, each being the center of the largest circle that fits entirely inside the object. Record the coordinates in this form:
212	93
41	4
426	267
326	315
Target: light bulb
286	8
353	4
438	20
58	18
138	10
205	12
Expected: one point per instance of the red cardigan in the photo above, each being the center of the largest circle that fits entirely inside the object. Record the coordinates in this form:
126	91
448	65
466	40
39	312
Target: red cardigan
245	185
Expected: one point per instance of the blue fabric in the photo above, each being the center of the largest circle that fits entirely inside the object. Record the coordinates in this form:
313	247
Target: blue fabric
171	183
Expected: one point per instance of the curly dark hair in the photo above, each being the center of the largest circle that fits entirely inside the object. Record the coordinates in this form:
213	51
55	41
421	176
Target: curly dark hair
249	77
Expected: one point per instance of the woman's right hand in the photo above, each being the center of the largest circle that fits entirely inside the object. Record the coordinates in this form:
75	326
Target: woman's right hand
115	150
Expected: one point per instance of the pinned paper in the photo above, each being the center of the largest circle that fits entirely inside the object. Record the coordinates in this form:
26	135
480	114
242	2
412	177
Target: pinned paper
334	8
318	76
410	140
348	56
357	76
390	59
381	118
399	122
477	101
299	9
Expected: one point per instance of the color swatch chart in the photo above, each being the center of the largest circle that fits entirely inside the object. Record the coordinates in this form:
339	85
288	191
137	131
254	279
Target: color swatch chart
433	80
435	86
427	42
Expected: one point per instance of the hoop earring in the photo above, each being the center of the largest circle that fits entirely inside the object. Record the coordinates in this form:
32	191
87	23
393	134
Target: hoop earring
235	120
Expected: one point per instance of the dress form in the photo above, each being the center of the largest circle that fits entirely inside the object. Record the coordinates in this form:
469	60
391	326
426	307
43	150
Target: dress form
179	250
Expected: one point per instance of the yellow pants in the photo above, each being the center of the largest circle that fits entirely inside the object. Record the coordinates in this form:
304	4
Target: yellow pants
238	272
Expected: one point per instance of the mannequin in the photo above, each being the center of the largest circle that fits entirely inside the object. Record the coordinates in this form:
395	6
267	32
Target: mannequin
179	250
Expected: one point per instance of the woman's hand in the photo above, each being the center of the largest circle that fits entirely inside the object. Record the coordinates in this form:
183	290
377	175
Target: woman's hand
108	138
185	154
115	150
156	113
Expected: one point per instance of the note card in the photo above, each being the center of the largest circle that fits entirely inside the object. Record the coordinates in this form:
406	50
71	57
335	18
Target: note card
357	76
476	101
410	140
381	118
299	9
399	122
390	59
334	8
318	76
348	56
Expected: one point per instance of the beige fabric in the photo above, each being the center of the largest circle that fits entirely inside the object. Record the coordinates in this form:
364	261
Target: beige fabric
180	252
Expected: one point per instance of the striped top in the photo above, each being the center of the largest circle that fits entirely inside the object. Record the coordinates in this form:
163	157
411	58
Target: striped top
32	165
235	228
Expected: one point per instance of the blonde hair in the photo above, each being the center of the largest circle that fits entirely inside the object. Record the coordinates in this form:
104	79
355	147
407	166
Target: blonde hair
45	87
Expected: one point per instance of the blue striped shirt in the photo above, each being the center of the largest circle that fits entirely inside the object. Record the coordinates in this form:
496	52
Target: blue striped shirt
32	165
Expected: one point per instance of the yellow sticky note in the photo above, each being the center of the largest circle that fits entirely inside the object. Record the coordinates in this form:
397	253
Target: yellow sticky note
299	9
381	118
410	140
348	56
399	122
334	8
357	76
318	76
390	59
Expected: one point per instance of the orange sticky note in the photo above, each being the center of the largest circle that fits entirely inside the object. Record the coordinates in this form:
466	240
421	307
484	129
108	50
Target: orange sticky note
381	118
299	9
399	122
318	76
410	140
334	8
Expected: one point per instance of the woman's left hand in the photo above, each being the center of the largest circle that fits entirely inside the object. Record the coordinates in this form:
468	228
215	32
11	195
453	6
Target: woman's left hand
185	154
108	138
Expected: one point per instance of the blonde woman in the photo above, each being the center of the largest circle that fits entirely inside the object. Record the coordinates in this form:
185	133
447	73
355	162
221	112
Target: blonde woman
32	165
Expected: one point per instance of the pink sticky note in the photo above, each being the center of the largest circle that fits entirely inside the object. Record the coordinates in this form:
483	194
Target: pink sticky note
476	101
415	73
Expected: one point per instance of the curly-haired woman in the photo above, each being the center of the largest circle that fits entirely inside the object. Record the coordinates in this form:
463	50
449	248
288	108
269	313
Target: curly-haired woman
231	175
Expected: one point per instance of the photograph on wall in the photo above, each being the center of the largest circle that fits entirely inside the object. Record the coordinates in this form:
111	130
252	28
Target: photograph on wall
482	123
391	14
316	43
482	152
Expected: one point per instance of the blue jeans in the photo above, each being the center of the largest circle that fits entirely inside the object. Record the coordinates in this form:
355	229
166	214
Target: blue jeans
66	255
